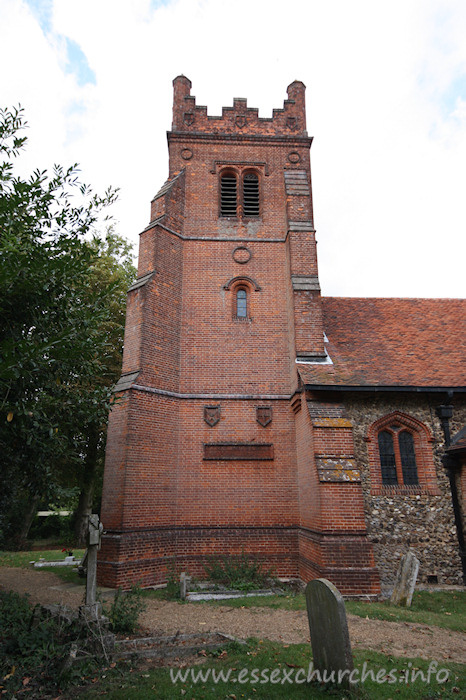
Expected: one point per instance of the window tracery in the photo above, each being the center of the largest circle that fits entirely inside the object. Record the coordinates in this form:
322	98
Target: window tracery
400	455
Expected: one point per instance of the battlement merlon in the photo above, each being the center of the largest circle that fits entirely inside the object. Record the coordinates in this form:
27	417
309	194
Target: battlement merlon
239	119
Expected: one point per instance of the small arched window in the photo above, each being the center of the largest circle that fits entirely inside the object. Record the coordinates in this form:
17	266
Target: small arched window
228	194
250	194
241	304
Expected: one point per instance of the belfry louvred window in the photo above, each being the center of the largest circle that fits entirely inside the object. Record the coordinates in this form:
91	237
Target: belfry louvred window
239	196
228	194
250	194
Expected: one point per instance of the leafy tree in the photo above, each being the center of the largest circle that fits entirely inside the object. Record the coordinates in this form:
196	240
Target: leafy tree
112	269
57	331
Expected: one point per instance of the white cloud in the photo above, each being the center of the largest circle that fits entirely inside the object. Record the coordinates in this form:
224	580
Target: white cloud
386	105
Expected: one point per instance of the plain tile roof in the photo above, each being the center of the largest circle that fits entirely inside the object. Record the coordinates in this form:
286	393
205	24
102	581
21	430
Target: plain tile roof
392	342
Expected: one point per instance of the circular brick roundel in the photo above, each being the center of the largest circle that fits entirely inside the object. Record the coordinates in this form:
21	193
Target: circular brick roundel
294	157
186	154
241	254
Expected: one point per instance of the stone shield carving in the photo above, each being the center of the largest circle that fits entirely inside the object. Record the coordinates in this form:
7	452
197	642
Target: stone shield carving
211	415
264	415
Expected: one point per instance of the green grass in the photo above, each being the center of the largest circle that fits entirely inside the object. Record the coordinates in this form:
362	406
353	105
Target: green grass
22	560
67	574
441	608
276	602
445	609
265	657
161	594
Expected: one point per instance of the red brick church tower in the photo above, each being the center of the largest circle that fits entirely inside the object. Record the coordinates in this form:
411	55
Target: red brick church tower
213	446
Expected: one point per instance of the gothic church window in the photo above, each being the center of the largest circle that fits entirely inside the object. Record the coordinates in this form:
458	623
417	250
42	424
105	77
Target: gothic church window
400	455
387	458
397	457
408	457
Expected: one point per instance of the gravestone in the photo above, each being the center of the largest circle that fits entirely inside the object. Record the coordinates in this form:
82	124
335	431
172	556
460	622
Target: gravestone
331	647
92	609
183	585
405	580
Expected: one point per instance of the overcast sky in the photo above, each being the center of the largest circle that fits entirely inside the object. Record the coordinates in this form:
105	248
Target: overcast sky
386	105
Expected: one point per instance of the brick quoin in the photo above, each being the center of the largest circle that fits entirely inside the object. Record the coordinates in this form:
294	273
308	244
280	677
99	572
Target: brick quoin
215	446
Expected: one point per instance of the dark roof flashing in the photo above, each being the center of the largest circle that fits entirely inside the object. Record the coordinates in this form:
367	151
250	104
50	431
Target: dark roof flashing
374	388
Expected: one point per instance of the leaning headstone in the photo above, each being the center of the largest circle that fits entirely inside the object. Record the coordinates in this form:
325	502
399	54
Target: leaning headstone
92	609
405	580
331	647
183	585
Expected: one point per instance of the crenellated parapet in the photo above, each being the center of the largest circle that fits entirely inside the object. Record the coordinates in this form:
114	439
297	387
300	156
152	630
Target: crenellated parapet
239	119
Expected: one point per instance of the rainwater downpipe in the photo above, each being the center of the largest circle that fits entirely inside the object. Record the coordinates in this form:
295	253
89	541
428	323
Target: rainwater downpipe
444	413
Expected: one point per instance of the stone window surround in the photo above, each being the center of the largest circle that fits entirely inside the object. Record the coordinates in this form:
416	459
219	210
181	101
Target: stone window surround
423	443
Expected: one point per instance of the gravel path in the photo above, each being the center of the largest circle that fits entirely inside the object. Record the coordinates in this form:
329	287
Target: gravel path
403	639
